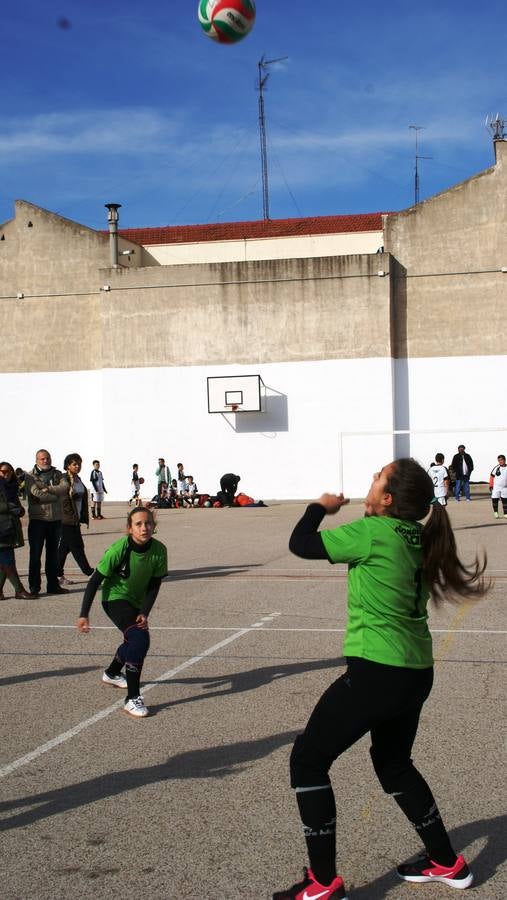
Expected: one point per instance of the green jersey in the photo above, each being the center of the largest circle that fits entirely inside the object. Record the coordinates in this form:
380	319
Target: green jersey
387	598
151	563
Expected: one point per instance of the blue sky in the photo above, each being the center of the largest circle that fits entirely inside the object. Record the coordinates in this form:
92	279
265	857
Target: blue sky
132	103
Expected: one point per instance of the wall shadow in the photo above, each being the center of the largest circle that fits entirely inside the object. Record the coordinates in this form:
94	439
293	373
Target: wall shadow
274	418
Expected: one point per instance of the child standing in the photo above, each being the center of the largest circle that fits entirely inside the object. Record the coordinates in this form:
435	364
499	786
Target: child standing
394	565
98	490
136	485
499	486
440	477
130	572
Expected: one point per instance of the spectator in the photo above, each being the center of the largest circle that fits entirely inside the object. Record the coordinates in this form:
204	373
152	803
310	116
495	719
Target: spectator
98	490
11	533
136	485
228	487
440	477
20	475
189	494
181	477
74	511
163	474
463	466
162	500
44	490
499	488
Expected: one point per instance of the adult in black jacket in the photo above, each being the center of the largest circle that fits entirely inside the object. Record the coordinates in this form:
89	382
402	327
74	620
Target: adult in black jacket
228	487
463	466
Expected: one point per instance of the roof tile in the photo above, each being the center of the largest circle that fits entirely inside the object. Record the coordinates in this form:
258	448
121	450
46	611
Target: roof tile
272	228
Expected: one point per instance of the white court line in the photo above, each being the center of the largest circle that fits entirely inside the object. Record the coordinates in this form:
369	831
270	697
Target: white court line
86	723
255	625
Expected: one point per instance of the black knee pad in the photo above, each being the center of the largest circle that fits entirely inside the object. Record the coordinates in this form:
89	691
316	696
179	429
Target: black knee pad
138	642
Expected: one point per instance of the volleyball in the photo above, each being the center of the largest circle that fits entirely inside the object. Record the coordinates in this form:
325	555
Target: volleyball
207	503
226	21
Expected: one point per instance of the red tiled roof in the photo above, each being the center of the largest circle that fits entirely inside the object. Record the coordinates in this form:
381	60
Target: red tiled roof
234	231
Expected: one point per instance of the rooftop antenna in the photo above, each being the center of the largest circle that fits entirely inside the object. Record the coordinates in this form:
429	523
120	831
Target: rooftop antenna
417	128
497	126
263	77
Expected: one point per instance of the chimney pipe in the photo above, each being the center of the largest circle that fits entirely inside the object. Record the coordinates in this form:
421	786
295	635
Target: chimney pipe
112	218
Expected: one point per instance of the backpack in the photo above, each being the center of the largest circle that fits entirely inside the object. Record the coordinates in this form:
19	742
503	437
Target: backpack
243	500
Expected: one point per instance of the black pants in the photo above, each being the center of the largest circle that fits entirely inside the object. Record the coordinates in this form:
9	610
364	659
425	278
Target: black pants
383	700
40	533
71	541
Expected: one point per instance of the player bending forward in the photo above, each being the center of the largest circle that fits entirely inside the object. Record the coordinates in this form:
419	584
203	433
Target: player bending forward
130	573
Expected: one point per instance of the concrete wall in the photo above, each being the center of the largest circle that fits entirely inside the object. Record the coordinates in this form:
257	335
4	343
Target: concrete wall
450	292
306	309
359	366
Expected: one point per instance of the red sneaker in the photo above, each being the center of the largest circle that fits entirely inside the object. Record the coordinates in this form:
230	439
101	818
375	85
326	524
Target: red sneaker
424	870
311	889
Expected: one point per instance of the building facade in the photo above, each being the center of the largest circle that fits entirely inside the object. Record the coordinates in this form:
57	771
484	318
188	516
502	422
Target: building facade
374	336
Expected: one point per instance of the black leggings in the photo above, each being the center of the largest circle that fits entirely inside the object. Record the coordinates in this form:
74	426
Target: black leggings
384	700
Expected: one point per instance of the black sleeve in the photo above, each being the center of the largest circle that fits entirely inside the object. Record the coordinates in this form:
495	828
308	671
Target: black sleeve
305	541
151	595
91	589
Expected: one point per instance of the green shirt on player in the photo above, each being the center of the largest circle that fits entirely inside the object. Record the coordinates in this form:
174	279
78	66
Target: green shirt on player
387	598
143	566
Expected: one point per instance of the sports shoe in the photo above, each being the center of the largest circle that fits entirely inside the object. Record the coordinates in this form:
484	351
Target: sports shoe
310	889
424	869
63	580
118	681
135	707
495	515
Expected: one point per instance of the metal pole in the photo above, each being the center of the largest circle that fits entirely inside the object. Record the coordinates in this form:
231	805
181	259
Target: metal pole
112	218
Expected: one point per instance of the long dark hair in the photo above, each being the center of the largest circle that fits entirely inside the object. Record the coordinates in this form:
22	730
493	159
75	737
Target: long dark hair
446	576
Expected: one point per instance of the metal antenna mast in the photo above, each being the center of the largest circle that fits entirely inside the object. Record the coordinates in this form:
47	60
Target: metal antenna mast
263	77
497	126
417	128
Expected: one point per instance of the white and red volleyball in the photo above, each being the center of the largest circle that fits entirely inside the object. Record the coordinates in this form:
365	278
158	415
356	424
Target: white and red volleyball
226	21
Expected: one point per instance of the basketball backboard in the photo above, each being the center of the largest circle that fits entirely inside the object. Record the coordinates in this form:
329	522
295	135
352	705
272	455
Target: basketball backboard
235	393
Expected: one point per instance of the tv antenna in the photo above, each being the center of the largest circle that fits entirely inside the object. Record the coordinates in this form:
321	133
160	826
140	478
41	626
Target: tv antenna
263	77
416	129
497	126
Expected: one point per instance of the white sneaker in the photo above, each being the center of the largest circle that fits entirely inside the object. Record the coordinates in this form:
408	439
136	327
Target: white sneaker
135	707
116	680
64	580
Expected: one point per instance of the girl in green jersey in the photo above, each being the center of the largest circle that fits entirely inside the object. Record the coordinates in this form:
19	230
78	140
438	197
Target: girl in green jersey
395	565
130	573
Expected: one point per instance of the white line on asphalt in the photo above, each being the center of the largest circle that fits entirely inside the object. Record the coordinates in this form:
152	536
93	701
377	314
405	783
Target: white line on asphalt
255	625
86	723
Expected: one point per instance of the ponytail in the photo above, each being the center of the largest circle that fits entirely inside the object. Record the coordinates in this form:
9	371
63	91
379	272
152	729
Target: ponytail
446	577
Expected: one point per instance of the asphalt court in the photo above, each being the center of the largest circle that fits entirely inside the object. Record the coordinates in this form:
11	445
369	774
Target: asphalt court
194	801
